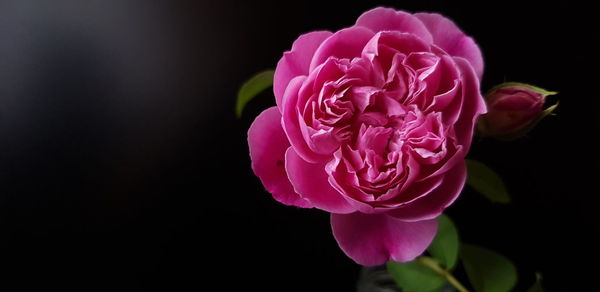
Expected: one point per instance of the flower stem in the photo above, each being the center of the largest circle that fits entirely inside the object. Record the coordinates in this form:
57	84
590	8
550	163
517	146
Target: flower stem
433	265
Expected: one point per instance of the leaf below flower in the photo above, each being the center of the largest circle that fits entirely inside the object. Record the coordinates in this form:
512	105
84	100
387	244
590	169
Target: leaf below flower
415	277
445	245
488	270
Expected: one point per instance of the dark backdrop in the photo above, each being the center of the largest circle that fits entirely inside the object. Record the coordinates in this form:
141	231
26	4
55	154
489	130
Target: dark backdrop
123	167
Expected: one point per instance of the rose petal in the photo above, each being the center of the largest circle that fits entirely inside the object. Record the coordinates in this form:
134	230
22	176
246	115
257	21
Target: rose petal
432	205
310	181
294	125
373	239
473	104
344	44
268	144
380	19
296	62
400	42
292	120
450	38
415	192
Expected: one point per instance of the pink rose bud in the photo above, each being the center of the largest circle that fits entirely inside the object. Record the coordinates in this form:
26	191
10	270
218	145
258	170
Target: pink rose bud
513	110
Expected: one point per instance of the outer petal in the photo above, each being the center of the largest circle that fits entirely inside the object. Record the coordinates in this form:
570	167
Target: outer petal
310	181
293	123
373	239
347	43
449	37
433	204
383	19
268	144
473	104
296	62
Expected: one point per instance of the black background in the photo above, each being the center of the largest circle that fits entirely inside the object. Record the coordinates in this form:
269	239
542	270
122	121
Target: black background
123	167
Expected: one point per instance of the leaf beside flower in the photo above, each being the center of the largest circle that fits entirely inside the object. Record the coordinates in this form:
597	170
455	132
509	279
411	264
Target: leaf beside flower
251	88
486	181
488	270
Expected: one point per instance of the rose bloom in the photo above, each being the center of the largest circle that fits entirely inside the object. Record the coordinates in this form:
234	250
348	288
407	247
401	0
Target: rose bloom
372	124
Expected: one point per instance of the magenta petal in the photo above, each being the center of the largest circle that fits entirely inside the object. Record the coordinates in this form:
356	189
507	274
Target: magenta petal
268	144
373	239
293	124
432	205
310	181
296	62
449	37
347	43
384	19
473	104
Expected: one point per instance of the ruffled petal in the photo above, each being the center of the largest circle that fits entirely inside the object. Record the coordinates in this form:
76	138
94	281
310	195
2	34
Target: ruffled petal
344	44
268	144
449	37
432	205
296	62
473	104
373	239
293	123
310	181
388	19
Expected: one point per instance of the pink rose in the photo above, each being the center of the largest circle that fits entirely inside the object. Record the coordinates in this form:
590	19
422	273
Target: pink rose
513	109
372	124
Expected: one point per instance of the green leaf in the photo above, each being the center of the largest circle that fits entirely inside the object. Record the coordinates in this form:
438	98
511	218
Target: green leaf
537	287
445	245
415	277
251	88
486	181
488	270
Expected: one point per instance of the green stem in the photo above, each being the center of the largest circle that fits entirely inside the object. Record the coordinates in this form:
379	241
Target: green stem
433	265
